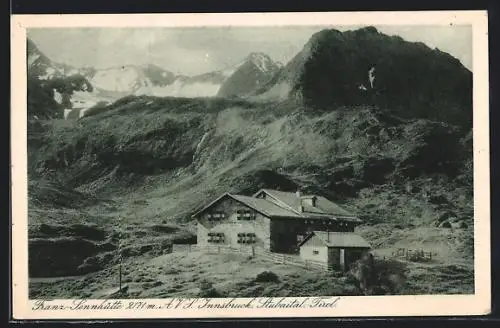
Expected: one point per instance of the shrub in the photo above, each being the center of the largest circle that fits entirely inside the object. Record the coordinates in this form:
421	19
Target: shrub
418	257
267	276
379	277
207	289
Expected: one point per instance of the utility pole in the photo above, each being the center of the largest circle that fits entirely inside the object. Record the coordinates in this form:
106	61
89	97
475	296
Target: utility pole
120	273
120	258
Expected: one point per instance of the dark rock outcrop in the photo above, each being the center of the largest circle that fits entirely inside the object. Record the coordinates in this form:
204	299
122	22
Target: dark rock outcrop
365	67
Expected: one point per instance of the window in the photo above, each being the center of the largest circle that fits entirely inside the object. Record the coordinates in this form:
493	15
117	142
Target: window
315	252
245	215
215	237
216	216
246	238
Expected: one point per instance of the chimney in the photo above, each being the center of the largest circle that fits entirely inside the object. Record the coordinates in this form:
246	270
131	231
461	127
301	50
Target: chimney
328	236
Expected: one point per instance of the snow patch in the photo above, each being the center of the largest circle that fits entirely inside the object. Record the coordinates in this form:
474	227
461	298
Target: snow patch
66	112
199	90
57	96
82	112
262	62
199	146
126	79
371	76
49	73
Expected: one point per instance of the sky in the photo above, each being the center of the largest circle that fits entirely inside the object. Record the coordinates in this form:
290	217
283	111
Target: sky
197	50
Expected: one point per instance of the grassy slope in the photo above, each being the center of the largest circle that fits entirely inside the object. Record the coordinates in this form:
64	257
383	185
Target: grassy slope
234	275
180	275
156	160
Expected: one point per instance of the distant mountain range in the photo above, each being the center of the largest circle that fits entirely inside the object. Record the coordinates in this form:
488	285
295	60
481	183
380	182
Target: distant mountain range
237	80
105	85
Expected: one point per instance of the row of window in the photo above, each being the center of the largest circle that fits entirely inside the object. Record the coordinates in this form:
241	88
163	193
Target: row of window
245	215
216	216
215	237
240	215
250	215
243	238
246	238
326	222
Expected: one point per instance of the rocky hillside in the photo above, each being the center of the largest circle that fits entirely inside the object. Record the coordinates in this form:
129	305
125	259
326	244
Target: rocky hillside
159	159
366	67
348	154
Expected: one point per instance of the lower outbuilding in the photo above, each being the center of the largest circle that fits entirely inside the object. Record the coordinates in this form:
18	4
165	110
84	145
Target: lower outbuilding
338	249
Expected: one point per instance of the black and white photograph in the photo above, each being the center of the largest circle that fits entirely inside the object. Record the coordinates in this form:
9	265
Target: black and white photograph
257	162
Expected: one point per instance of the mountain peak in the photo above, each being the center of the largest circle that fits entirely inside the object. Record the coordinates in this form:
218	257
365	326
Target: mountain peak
329	35
261	60
30	46
255	70
367	29
366	67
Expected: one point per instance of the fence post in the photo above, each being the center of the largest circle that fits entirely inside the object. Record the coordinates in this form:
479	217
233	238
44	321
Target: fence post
253	251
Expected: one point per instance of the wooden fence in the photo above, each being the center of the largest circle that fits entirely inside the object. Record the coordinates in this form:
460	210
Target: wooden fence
179	248
255	252
414	254
248	250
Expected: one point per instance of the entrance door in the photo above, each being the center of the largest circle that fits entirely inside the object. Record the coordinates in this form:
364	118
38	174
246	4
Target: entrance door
342	259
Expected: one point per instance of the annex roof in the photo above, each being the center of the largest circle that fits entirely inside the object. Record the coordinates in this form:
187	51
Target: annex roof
339	239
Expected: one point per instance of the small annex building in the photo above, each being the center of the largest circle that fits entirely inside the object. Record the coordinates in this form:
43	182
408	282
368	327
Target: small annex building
338	249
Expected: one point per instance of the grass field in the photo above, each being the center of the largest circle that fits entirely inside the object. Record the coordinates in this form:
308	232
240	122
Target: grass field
234	275
185	274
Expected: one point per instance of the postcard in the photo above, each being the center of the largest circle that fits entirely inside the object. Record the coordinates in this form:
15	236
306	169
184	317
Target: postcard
250	165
